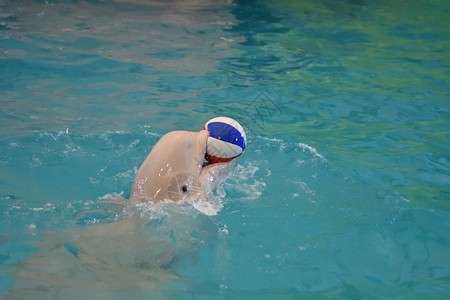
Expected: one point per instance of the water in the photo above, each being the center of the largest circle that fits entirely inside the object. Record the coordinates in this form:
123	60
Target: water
343	191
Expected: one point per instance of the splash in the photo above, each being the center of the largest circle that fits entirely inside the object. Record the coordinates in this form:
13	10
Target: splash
312	150
243	183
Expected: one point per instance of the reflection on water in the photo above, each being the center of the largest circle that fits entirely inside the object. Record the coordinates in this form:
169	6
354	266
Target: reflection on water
139	60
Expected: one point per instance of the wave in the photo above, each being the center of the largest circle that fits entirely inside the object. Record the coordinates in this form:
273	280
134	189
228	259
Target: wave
86	166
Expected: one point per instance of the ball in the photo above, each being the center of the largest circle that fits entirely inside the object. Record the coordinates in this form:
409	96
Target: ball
226	139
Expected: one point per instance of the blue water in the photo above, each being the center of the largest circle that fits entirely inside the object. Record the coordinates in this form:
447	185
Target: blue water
342	193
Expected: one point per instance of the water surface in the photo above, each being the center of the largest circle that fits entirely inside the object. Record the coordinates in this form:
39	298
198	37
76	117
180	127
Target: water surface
343	191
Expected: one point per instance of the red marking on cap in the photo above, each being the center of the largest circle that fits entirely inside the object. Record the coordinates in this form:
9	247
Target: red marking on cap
215	159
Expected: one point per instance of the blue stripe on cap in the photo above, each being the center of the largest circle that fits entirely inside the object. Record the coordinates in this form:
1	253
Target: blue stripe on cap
226	132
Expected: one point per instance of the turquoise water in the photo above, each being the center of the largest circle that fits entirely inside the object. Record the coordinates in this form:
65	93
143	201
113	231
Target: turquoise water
342	193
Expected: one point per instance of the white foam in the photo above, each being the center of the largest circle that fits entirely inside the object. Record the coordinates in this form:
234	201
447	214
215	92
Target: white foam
304	147
243	181
272	139
307	148
127	174
112	197
209	207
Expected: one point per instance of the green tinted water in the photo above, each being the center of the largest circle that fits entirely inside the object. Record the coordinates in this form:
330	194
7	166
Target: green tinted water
367	82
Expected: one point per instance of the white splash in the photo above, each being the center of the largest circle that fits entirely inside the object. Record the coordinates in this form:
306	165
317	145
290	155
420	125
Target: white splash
243	181
307	148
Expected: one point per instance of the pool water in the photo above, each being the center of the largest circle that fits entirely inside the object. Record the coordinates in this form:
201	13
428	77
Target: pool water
342	192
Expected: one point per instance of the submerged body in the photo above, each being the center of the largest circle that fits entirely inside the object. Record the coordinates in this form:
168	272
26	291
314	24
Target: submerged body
138	247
